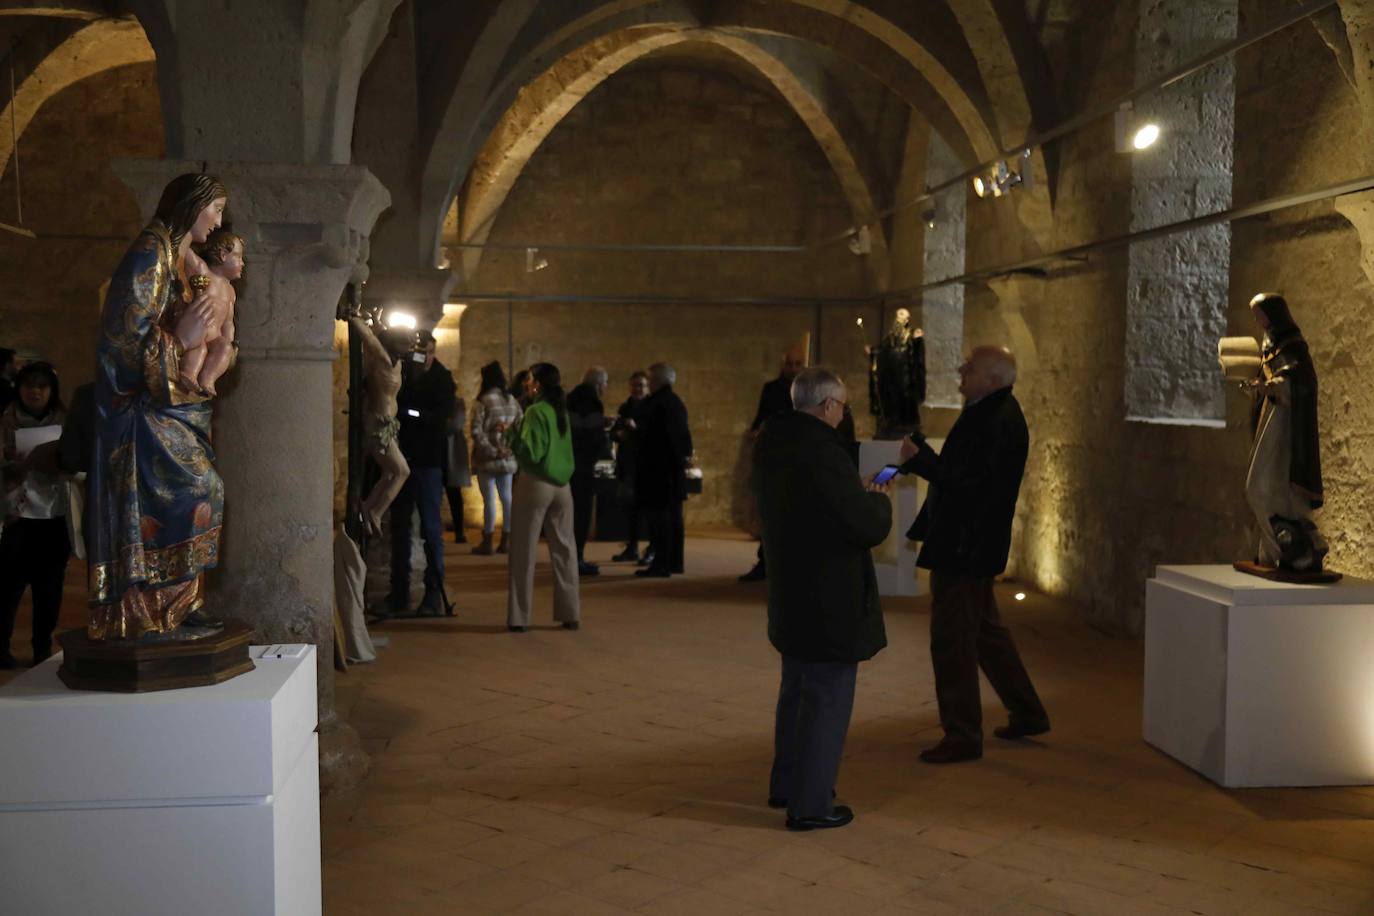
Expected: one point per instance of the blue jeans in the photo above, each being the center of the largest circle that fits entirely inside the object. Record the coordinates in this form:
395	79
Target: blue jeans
491	485
423	488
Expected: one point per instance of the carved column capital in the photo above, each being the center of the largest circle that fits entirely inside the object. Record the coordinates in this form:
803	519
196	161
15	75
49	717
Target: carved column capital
421	292
305	231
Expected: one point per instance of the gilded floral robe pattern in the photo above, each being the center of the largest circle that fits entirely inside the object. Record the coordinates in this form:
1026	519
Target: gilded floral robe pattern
156	502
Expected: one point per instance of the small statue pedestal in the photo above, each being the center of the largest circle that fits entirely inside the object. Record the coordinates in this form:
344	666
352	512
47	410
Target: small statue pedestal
138	666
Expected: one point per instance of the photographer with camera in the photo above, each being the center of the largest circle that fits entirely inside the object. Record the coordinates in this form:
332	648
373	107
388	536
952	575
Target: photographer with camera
424	406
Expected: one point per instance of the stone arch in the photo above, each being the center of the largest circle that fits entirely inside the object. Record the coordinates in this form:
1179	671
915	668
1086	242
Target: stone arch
94	48
854	31
521	132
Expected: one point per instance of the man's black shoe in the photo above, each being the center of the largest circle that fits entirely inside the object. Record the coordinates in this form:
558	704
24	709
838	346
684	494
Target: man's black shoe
515	629
842	815
1015	731
653	572
679	570
571	625
587	569
628	555
948	752
646	560
757	574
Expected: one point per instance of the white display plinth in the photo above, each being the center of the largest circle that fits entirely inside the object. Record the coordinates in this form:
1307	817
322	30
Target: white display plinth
894	560
203	800
1259	683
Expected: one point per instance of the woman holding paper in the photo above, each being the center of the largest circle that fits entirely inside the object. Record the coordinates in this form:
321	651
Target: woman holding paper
34	545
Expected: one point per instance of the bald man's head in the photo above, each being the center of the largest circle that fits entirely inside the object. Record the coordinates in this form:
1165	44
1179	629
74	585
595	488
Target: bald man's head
793	361
986	370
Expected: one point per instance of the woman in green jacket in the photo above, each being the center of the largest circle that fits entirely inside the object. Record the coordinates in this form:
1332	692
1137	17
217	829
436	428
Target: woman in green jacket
542	444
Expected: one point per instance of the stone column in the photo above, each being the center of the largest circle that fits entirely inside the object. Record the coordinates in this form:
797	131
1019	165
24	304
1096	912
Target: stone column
305	229
1014	293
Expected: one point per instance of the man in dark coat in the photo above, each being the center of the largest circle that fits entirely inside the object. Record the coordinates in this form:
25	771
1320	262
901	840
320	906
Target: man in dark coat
965	527
819	524
665	448
423	405
774	398
626	434
588	418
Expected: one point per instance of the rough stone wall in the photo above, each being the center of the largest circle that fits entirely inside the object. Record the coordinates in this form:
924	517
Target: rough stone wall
942	310
50	287
663	154
1177	292
1104	501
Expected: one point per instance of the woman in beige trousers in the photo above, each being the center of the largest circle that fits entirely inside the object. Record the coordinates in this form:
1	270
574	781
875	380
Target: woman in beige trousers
542	444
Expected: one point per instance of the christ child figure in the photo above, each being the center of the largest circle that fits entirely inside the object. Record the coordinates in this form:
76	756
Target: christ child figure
212	267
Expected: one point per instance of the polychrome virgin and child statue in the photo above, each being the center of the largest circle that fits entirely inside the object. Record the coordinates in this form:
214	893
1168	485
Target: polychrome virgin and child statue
156	503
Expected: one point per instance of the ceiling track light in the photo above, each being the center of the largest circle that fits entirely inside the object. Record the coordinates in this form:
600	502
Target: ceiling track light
1133	134
998	180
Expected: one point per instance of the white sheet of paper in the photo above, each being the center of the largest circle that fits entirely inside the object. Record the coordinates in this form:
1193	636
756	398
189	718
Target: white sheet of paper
26	440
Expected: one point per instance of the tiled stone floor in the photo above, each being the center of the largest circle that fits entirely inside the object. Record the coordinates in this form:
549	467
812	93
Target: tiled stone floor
622	768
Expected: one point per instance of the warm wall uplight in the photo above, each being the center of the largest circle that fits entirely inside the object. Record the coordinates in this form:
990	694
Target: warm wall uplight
400	320
1146	136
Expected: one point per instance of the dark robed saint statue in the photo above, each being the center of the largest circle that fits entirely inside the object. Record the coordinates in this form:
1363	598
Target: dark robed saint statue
156	502
897	378
1284	482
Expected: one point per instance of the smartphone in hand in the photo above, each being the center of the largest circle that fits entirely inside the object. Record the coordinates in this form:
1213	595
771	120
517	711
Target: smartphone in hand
886	475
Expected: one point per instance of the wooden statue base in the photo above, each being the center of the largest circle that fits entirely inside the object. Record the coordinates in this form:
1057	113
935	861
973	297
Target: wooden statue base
1287	575
136	666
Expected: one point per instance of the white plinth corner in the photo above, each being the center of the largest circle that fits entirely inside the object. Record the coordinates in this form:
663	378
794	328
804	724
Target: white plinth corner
894	561
203	800
1259	683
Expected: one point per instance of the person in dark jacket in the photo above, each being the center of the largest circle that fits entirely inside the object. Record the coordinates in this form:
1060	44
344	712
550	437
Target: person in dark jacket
665	448
424	406
590	445
965	527
819	524
625	432
774	398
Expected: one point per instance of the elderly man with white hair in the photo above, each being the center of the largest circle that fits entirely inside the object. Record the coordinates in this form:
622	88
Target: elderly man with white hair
965	527
820	523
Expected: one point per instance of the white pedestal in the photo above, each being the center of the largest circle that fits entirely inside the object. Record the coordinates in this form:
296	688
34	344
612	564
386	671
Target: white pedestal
894	560
1259	683
204	800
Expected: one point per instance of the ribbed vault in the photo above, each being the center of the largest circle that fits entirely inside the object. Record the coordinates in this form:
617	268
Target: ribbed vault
548	99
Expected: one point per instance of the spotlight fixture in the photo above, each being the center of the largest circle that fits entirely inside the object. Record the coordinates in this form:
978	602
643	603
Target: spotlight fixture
860	241
1146	136
929	217
1020	596
533	261
999	179
398	319
1132	134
